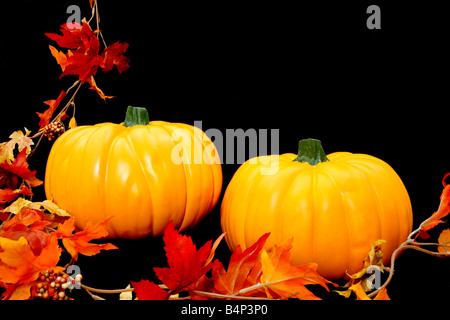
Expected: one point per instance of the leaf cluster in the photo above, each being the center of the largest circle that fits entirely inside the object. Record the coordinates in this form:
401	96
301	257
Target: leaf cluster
255	273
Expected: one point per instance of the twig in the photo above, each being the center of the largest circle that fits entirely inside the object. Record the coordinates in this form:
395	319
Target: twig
410	244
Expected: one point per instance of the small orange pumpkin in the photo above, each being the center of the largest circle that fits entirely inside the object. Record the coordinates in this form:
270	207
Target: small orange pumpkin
144	174
334	207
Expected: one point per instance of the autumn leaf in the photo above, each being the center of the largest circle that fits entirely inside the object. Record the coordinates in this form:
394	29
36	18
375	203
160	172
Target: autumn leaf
20	169
53	105
84	59
146	290
78	37
93	84
19	265
435	219
113	56
23	141
29	224
444	241
360	282
79	242
17	292
186	264
382	295
8	195
288	281
234	279
60	57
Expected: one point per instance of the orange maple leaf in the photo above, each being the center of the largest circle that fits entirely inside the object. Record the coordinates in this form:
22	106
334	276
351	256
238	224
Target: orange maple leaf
435	219
29	224
286	280
240	268
79	242
19	265
444	241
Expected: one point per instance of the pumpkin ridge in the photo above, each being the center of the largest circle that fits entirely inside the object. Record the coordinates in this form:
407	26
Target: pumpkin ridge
344	206
109	151
168	127
143	172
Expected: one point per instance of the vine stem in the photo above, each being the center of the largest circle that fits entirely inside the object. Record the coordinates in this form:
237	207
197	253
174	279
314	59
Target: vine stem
69	103
411	244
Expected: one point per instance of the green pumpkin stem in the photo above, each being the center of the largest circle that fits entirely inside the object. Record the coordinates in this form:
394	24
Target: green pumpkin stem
136	116
311	151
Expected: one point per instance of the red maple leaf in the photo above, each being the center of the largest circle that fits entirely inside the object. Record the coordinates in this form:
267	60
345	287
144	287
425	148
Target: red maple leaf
186	264
19	168
8	195
84	58
147	290
113	56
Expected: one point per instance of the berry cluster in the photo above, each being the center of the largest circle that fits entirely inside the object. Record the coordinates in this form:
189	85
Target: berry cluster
53	285
54	130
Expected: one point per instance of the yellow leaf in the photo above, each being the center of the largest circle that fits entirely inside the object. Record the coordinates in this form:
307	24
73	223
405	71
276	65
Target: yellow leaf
17	206
72	123
53	208
17	137
359	291
48	205
127	295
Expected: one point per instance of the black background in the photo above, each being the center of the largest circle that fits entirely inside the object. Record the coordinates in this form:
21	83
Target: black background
309	70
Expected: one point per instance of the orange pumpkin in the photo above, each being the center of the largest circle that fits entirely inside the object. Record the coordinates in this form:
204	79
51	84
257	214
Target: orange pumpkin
334	207
144	174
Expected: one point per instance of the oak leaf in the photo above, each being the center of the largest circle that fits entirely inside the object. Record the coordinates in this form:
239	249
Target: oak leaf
79	242
23	141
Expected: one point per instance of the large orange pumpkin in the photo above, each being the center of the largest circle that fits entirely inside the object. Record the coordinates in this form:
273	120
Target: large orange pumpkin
334	207
144	174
